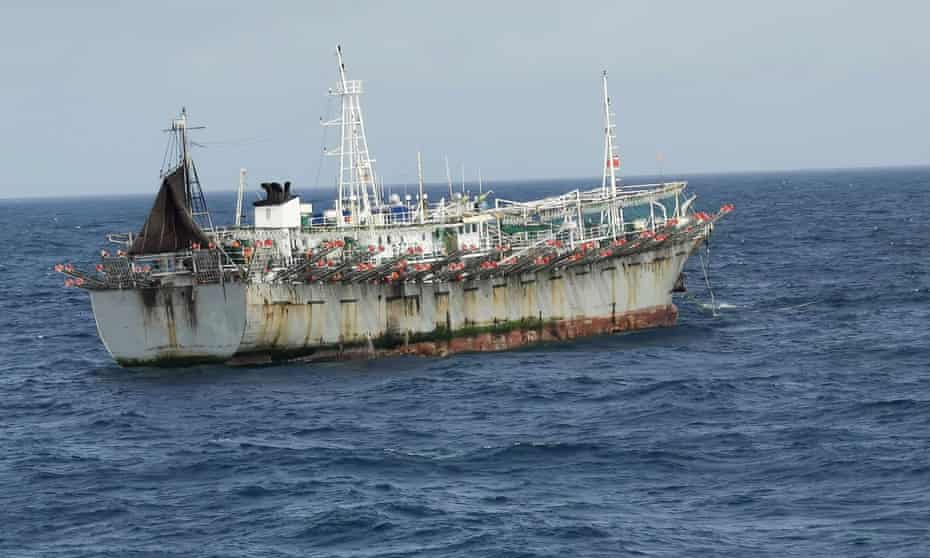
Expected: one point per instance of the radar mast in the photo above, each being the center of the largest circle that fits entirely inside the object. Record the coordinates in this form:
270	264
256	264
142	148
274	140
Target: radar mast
359	191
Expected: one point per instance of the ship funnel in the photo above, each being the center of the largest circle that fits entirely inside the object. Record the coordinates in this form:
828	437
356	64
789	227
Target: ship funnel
275	194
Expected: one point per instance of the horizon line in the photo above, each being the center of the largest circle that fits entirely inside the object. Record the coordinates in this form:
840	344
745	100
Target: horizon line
671	177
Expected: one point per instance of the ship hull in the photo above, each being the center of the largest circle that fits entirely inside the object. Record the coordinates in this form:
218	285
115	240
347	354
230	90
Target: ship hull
322	321
171	325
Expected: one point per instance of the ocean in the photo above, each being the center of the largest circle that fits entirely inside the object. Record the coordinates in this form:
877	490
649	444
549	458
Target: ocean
795	422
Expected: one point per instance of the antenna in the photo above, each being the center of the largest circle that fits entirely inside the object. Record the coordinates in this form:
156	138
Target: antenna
480	189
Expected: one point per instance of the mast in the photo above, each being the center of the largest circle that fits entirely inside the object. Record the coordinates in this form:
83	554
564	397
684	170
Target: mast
449	178
193	193
239	195
359	190
181	123
609	138
421	199
611	162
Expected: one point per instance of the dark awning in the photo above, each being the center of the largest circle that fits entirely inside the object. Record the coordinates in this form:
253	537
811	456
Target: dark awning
169	227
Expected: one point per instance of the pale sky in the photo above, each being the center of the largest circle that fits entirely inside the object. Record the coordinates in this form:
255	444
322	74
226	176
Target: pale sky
510	87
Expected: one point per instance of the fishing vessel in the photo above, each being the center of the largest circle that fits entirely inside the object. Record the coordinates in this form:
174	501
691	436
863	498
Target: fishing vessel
377	275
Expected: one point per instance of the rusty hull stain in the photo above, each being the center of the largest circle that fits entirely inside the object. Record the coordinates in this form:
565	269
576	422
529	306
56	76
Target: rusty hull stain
561	330
449	318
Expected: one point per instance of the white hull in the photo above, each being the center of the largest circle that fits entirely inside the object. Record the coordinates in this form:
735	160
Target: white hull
218	321
172	324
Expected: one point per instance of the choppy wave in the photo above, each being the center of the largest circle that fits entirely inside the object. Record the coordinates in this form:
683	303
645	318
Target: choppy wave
794	422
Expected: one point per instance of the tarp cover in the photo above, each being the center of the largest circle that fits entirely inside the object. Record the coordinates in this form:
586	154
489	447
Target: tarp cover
169	227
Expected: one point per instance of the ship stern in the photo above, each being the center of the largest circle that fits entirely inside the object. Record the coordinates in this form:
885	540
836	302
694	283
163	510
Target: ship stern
170	325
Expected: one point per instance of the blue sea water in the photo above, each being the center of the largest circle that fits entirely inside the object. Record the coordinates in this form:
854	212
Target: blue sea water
795	423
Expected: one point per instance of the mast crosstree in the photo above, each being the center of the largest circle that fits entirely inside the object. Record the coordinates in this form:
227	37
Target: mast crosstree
195	200
359	191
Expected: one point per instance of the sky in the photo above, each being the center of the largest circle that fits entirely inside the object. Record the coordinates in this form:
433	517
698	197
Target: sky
512	88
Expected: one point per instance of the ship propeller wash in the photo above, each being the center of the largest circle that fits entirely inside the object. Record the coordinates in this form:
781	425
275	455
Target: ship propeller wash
373	276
